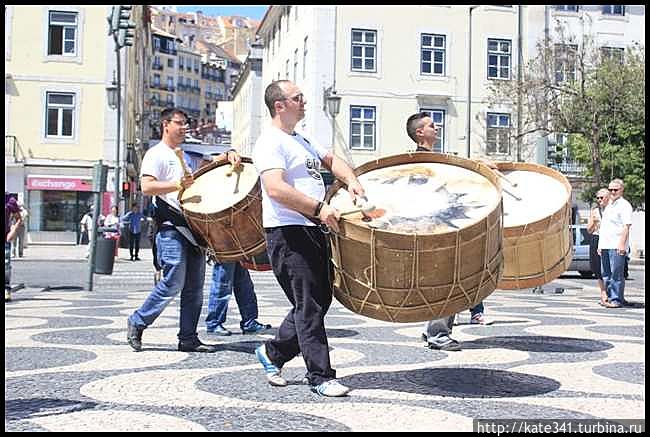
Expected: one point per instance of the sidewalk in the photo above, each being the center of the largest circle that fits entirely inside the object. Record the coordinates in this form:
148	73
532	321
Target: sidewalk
66	252
35	252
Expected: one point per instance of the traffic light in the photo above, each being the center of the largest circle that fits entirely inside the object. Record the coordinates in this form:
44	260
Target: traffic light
121	25
126	190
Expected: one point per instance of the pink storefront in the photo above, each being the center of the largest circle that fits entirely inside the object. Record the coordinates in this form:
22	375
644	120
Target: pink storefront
56	205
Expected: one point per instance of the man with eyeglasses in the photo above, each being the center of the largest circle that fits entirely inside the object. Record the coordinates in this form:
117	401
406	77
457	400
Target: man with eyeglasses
292	201
181	260
613	244
593	227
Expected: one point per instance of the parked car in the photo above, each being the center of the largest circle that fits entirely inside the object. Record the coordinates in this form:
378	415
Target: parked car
580	261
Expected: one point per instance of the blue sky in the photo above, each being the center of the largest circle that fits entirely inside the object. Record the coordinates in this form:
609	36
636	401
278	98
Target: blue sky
253	11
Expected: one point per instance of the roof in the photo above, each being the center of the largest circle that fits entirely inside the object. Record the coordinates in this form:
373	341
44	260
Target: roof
160	32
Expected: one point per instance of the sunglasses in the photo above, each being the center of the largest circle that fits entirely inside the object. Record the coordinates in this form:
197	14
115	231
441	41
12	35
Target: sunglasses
600	197
298	98
613	190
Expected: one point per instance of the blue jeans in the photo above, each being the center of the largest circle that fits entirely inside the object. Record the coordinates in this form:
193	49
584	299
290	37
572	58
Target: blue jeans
183	268
441	328
613	267
225	278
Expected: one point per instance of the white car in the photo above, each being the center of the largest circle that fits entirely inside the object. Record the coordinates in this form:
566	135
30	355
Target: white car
580	261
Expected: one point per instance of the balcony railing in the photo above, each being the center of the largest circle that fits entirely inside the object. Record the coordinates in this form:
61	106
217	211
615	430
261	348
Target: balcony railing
157	66
569	167
13	149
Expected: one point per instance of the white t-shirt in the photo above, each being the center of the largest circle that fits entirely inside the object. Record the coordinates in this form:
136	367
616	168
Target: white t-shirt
301	161
161	162
616	215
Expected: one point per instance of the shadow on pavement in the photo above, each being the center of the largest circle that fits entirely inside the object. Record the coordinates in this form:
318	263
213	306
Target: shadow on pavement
539	344
456	382
18	409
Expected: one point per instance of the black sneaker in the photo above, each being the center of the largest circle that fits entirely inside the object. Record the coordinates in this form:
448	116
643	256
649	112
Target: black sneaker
134	335
255	328
443	344
219	330
196	346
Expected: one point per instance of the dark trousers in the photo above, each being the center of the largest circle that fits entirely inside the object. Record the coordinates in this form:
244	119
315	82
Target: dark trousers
134	244
300	260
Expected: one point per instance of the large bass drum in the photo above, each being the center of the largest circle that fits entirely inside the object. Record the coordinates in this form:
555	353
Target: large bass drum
224	208
537	244
433	247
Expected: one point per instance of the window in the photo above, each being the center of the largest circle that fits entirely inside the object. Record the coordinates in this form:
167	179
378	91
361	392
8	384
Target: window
362	128
170	63
566	8
438	117
364	47
60	115
498	133
565	62
156	43
613	9
156	80
170	100
181	62
170	83
304	59
614	54
499	54
62	34
432	54
295	64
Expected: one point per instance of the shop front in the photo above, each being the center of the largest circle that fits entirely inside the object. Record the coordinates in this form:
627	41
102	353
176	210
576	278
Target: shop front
56	205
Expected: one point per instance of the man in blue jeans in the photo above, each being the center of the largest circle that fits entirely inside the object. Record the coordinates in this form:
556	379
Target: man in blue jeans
181	260
613	243
227	277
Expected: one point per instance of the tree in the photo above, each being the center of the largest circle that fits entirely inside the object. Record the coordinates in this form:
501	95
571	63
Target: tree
595	95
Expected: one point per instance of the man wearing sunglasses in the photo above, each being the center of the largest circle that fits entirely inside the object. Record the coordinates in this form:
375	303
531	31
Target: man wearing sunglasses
181	260
292	200
613	243
593	227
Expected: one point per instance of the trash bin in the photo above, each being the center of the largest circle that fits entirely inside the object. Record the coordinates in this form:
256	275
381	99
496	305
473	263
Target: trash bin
104	255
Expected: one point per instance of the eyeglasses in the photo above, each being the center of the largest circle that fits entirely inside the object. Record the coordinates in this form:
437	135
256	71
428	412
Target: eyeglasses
613	190
600	197
179	122
298	98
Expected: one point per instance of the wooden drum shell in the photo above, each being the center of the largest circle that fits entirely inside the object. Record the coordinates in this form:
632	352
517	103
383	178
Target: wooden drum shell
538	252
235	233
417	277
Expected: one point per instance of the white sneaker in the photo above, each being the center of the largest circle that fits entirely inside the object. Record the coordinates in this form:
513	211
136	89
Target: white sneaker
331	388
480	319
271	370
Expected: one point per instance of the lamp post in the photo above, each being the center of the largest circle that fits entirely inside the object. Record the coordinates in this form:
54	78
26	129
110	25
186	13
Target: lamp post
113	99
469	83
332	105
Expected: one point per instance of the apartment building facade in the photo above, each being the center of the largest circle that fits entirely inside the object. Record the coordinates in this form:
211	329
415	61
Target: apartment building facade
57	119
388	62
247	112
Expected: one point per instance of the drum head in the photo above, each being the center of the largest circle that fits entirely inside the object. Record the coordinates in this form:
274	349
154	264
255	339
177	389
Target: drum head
214	190
531	197
423	197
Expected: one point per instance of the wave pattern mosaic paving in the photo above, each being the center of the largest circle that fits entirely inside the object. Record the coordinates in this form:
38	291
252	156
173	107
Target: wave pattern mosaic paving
68	366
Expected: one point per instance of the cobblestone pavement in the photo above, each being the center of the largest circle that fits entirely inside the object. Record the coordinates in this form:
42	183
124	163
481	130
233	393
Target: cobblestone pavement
556	356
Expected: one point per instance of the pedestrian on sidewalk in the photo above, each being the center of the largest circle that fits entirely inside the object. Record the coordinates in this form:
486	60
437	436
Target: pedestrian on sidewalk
19	244
11	210
181	259
292	201
226	278
593	227
613	244
132	221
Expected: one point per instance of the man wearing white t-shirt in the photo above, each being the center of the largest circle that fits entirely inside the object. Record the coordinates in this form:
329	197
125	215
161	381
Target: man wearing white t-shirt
613	243
292	193
181	260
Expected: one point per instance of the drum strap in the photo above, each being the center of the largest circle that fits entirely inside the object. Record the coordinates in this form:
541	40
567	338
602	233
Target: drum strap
164	212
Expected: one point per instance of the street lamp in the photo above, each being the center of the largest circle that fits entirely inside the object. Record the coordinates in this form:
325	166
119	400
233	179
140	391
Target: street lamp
331	102
111	94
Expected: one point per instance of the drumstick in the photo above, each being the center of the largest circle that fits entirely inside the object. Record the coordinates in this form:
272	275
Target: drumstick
501	175
179	153
365	209
508	192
